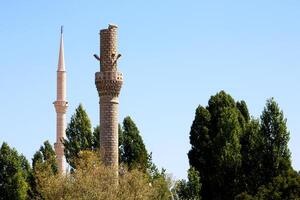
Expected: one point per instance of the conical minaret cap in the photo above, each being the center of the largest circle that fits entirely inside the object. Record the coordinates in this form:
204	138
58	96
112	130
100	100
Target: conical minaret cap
61	59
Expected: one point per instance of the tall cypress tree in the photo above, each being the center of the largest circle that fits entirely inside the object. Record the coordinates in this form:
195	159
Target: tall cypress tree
133	152
201	148
79	135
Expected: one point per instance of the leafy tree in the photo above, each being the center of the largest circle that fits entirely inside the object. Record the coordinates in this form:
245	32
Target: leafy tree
239	157
283	187
201	150
162	186
14	172
242	107
93	180
275	136
215	139
131	133
244	196
43	160
266	157
45	156
133	152
251	148
96	138
79	135
265	149
190	190
153	171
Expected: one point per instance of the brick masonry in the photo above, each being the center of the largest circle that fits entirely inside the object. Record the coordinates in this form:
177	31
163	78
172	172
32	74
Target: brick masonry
109	82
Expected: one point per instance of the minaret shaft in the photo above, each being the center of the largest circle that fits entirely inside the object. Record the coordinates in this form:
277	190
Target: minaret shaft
109	82
61	106
61	86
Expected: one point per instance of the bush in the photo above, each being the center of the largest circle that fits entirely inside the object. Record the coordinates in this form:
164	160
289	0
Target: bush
92	180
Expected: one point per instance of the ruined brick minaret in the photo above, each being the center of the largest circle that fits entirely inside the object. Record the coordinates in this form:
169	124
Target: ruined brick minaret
61	106
108	82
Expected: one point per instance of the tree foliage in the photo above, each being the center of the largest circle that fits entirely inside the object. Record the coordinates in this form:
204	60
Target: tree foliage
239	157
43	160
251	151
232	156
216	149
14	174
92	180
79	135
191	189
133	152
45	157
283	187
276	155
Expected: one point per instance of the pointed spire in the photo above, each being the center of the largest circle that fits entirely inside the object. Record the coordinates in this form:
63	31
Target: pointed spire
61	59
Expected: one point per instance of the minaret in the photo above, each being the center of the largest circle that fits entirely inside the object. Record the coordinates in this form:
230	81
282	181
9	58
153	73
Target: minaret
108	82
61	106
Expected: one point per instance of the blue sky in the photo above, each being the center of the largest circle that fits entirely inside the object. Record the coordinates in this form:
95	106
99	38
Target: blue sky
175	55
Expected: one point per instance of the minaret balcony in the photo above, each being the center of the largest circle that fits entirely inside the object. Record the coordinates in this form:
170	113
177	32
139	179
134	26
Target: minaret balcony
61	106
109	75
108	83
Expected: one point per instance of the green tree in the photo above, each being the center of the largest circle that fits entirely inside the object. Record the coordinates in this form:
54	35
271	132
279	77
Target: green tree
242	107
96	138
79	135
191	189
216	150
45	156
43	160
136	145
14	172
275	136
93	181
251	142
239	157
133	152
283	187
265	153
201	151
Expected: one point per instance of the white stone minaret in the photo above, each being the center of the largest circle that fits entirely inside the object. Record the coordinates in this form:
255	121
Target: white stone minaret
61	106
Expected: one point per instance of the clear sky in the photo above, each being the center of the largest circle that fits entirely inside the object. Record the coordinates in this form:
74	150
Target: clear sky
175	55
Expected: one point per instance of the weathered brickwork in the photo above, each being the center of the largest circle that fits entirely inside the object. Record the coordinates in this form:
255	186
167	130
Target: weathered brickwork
109	82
